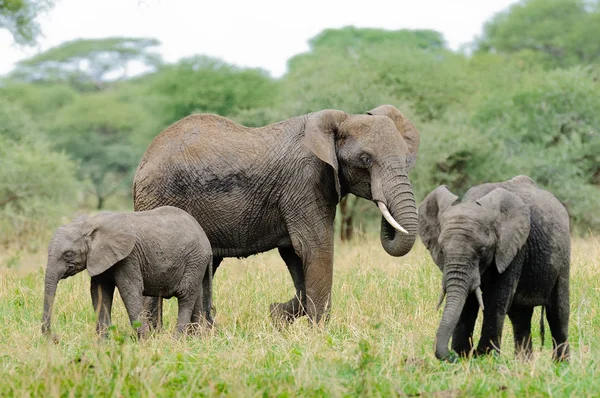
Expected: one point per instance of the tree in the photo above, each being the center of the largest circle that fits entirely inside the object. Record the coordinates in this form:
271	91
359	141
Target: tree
41	101
18	17
550	32
203	84
37	184
99	130
88	64
549	129
347	64
352	37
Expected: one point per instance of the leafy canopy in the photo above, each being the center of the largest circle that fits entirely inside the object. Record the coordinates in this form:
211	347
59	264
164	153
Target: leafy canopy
550	32
89	63
18	17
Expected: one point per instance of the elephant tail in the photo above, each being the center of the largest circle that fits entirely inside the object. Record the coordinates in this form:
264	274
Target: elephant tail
542	330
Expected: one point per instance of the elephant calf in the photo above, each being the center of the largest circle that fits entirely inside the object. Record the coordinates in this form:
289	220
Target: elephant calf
162	252
504	248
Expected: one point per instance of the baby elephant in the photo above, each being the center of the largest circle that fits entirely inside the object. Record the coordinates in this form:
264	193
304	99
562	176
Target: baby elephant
162	252
505	249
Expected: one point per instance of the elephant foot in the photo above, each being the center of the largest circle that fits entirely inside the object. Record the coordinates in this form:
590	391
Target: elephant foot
561	353
281	314
143	333
480	352
191	329
464	352
452	357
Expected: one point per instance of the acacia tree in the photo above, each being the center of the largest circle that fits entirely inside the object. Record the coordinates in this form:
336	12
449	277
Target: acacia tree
89	64
18	17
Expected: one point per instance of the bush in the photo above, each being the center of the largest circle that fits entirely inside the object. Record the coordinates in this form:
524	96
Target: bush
38	185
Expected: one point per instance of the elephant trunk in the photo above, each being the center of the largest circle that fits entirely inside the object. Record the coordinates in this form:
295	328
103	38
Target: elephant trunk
50	284
456	286
400	202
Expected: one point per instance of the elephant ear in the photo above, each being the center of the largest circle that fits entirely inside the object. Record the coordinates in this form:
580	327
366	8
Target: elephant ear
319	136
429	221
512	224
112	239
407	130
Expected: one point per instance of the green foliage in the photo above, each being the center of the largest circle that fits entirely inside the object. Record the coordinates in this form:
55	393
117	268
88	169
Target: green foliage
553	33
98	130
87	64
16	123
338	81
550	130
37	186
455	154
203	84
18	17
352	37
358	69
39	100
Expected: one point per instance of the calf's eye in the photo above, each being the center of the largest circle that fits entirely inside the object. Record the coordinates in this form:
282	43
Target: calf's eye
69	254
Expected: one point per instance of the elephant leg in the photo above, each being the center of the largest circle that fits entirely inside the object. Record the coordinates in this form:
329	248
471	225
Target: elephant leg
462	338
319	279
132	298
153	311
186	306
557	314
520	317
317	263
198	315
496	300
207	283
207	295
102	293
202	309
216	262
294	308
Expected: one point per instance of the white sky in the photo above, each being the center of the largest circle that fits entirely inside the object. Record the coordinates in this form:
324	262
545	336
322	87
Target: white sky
256	33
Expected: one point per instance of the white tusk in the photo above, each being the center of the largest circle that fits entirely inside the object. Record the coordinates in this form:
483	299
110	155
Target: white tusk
441	300
388	217
479	296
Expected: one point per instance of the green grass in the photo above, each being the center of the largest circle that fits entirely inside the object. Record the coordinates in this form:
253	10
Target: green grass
379	341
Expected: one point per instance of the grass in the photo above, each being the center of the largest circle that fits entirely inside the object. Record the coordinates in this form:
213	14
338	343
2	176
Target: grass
379	341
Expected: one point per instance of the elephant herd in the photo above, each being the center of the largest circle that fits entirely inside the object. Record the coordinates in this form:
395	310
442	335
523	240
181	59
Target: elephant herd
208	188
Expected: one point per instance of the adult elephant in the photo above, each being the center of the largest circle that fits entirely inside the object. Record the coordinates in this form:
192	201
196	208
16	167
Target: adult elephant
255	189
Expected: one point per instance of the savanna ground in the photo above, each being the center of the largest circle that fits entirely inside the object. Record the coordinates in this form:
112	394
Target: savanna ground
379	341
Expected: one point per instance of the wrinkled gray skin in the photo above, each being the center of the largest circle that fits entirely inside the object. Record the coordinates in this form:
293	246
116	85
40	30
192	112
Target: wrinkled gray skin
163	253
511	239
255	189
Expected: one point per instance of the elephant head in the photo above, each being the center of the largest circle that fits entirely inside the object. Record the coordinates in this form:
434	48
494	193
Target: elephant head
92	243
371	156
464	240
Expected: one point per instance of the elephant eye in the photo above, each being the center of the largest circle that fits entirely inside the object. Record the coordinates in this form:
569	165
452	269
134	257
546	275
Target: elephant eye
69	254
366	160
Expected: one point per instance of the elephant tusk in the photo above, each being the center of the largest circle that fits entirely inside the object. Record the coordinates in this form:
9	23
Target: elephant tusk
388	217
441	299
479	296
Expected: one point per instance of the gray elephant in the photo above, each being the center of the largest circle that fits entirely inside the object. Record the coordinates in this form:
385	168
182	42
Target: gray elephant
162	252
255	189
505	248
